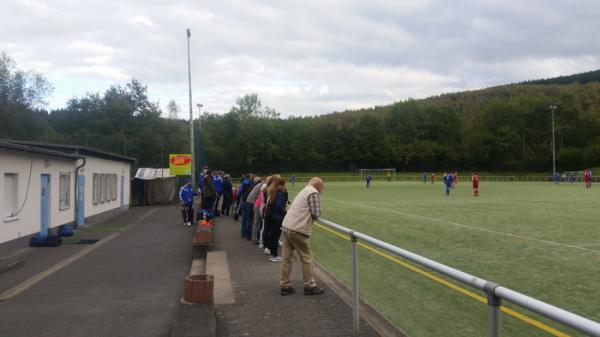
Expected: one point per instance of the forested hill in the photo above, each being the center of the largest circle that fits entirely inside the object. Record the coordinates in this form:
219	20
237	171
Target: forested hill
581	78
504	128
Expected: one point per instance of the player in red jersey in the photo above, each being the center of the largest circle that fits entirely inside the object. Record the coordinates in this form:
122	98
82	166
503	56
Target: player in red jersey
475	179
455	179
587	178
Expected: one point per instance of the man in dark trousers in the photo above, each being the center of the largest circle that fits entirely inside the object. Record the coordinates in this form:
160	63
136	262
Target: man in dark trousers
186	197
227	195
208	192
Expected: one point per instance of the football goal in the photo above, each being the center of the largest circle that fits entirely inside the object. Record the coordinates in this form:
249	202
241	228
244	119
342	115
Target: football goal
378	174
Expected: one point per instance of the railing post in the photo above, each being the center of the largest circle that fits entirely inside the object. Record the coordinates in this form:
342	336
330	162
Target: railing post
494	302
355	303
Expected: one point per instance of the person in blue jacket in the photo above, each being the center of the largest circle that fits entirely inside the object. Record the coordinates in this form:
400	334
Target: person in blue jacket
218	183
448	179
368	179
186	197
243	191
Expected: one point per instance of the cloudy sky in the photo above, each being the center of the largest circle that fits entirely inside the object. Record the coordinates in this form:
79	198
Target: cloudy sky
301	57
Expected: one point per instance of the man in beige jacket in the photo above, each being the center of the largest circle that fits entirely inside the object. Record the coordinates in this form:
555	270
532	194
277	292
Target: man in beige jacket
296	228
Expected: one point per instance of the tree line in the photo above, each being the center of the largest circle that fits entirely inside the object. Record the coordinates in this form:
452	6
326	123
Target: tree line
504	128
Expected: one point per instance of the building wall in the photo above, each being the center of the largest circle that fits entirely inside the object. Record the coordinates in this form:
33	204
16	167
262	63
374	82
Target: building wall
103	166
28	221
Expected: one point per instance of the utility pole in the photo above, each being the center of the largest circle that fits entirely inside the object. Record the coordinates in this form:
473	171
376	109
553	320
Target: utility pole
553	108
199	105
193	173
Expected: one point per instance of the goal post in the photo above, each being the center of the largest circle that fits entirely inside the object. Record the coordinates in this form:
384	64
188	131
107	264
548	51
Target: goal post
388	174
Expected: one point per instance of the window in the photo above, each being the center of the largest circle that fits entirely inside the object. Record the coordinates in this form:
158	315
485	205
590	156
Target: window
105	188
65	190
11	195
114	187
96	190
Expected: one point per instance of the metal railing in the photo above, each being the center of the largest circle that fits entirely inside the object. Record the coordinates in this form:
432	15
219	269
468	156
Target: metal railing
408	178
495	293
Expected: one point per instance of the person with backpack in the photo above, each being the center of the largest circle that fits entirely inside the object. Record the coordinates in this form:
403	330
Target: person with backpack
274	213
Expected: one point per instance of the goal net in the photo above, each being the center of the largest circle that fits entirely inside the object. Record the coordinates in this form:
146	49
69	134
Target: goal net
378	174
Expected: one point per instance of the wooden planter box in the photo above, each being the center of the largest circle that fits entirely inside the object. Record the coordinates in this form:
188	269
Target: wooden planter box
203	236
198	288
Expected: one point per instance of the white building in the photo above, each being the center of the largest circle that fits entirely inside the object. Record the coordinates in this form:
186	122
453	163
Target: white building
43	186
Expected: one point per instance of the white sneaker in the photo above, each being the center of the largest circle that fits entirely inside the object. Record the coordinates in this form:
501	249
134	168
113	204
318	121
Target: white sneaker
189	223
260	245
275	259
280	244
267	251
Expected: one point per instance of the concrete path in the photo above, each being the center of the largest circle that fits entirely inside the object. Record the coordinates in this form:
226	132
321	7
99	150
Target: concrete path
259	310
130	283
130	286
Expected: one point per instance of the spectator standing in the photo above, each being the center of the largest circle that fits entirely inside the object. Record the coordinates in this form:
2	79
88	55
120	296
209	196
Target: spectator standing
274	214
227	191
186	197
218	183
251	199
263	203
297	228
246	208
208	192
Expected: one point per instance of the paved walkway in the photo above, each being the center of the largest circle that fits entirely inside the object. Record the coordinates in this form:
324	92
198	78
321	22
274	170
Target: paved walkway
260	310
129	286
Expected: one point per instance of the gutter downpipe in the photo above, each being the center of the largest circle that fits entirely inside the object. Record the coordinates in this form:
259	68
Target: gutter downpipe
77	190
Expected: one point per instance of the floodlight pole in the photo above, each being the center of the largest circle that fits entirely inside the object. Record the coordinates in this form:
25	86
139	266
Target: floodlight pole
193	171
553	108
199	105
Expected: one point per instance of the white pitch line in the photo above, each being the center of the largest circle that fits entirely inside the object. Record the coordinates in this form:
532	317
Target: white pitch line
467	226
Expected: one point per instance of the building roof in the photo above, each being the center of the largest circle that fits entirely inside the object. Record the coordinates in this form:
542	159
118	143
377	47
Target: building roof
26	148
73	150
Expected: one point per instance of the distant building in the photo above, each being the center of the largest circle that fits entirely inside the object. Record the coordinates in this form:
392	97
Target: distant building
43	186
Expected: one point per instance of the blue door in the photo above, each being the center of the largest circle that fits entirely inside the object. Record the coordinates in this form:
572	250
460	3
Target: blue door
45	203
80	200
122	191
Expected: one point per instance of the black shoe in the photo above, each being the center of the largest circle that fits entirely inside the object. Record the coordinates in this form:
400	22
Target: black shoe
316	290
287	291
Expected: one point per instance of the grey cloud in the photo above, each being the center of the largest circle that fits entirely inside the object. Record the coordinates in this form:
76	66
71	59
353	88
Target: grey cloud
302	57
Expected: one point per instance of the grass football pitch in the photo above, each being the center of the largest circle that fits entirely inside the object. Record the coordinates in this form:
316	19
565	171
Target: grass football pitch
537	238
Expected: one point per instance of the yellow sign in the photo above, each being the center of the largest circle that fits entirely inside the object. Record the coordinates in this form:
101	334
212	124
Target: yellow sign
180	164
